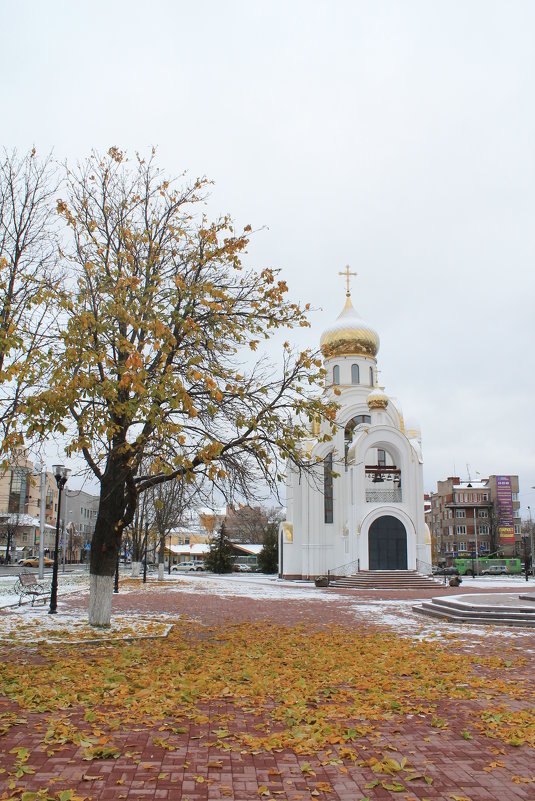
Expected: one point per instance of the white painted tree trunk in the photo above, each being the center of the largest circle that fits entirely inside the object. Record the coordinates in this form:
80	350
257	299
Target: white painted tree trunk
136	569
100	598
161	569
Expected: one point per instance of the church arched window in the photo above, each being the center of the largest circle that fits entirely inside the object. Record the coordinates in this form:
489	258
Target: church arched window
355	374
348	430
328	488
336	374
371	376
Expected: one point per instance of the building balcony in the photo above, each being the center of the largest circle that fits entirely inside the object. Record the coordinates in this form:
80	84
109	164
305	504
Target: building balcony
465	504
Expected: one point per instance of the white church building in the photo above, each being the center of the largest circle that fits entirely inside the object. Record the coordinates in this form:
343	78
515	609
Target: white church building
361	508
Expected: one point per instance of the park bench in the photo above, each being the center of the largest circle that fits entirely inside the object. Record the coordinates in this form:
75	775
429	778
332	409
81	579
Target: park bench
27	586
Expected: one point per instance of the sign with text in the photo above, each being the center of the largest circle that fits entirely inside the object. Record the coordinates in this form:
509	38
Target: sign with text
506	534
506	529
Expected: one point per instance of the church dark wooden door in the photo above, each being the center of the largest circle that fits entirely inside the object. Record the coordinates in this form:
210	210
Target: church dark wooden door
387	544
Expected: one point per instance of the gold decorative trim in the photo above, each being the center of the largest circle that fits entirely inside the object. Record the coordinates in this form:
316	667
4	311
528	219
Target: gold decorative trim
378	402
288	530
345	345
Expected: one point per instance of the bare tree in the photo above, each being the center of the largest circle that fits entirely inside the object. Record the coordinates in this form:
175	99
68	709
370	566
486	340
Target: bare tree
246	524
138	533
170	502
28	257
9	527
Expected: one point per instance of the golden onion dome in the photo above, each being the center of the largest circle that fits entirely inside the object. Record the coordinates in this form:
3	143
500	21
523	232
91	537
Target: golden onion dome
349	335
377	399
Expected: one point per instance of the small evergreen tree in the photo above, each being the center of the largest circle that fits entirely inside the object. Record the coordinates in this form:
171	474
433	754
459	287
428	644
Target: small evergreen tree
268	558
220	558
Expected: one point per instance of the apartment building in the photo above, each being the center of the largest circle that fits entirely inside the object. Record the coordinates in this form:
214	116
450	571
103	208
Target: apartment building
20	502
79	512
20	514
469	517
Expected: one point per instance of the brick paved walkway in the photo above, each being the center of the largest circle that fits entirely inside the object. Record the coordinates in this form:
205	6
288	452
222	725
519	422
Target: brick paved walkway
447	753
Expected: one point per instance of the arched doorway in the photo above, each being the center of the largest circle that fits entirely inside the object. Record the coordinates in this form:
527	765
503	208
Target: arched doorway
387	544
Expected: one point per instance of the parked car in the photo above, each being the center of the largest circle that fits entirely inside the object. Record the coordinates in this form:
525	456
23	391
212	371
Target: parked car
446	571
243	568
495	570
187	566
34	562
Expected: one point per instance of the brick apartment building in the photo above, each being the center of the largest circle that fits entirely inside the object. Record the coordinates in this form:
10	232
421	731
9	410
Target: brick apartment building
20	512
480	516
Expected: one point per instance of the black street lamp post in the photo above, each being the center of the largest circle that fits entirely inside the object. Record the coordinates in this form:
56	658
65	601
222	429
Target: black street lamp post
116	577
60	474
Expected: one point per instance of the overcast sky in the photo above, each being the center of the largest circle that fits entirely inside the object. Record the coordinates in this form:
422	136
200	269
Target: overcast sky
398	137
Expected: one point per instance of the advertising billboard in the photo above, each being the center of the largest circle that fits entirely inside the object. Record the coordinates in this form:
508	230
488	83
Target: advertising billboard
506	529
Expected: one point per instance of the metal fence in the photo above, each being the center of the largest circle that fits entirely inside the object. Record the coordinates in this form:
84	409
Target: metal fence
349	569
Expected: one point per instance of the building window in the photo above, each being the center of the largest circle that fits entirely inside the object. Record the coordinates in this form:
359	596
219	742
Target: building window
460	513
517	528
336	374
483	529
355	374
460	529
381	457
350	426
328	488
18	491
482	513
371	376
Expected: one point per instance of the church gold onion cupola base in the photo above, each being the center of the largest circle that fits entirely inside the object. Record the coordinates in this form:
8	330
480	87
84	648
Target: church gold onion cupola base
349	335
377	399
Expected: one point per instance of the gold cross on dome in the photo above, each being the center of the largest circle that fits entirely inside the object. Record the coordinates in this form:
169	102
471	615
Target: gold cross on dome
347	273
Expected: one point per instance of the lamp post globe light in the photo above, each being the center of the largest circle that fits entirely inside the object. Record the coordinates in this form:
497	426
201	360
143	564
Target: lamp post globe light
60	474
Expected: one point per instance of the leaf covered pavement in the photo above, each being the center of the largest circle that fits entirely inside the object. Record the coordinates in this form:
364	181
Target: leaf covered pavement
263	710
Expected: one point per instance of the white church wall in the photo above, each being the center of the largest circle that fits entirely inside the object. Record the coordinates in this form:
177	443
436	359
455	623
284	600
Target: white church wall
344	364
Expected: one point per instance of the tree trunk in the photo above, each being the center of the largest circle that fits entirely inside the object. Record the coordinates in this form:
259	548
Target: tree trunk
161	558
8	546
106	542
100	597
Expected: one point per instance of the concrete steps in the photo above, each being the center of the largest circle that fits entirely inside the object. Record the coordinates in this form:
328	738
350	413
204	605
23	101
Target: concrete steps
467	611
386	580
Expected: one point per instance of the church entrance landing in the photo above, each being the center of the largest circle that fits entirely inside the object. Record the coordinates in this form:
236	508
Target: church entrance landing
387	544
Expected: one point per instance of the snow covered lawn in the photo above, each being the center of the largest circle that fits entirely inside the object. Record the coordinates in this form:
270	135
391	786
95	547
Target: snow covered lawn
25	624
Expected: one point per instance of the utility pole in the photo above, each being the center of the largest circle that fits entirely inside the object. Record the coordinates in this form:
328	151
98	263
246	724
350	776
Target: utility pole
145	552
477	545
42	512
531	539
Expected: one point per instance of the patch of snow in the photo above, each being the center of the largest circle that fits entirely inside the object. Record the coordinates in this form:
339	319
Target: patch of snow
30	624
